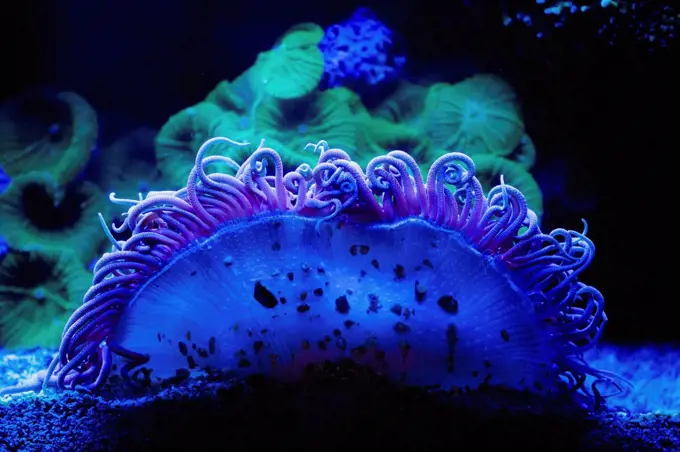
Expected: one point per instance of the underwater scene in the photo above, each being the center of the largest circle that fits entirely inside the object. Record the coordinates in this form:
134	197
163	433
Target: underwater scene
339	226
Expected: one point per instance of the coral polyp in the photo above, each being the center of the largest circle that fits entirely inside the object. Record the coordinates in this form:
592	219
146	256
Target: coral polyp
423	279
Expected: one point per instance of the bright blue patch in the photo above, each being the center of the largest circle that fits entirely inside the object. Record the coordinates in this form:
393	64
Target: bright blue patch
653	371
361	53
4	247
4	180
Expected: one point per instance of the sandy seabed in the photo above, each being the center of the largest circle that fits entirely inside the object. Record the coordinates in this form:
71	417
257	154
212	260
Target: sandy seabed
342	408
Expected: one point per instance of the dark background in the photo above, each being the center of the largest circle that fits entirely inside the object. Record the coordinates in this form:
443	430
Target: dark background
604	117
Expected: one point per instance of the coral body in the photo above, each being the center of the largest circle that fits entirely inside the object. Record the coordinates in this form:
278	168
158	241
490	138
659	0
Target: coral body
47	131
479	115
38	292
361	53
37	213
294	67
423	279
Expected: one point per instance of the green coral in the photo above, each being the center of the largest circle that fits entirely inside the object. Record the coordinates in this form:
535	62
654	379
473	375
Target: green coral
38	292
293	68
479	115
44	131
180	138
279	100
37	214
128	166
405	105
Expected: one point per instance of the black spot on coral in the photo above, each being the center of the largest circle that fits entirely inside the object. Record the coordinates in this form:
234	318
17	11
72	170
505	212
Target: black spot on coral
405	348
505	335
290	276
428	263
188	335
420	292
399	272
451	341
396	309
264	296
142	377
303	296
303	307
193	273
373	303
337	333
448	304
342	305
353	250
318	292
191	362
341	343
363	249
401	328
276	246
349	323
183	348
181	374
257	346
243	363
203	353
375	264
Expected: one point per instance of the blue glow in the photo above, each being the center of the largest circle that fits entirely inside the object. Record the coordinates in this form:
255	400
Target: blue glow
653	371
4	180
650	22
4	247
361	53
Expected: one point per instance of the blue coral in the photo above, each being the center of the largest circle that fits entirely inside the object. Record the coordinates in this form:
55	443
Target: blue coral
4	183
4	180
652	23
361	53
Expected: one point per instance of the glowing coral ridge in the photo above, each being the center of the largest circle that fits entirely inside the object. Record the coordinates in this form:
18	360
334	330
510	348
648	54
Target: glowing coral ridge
425	280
